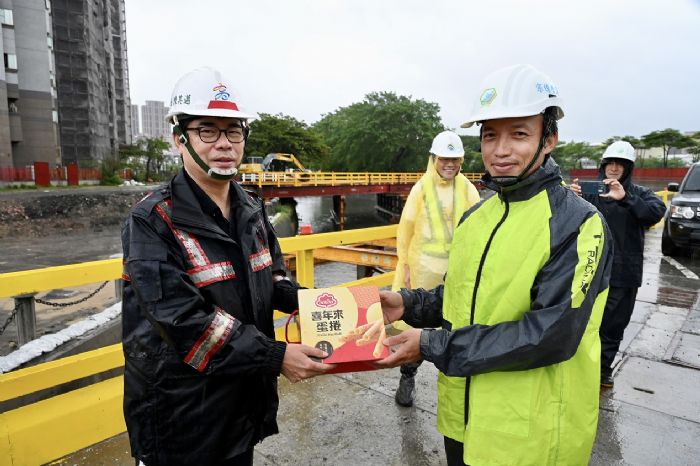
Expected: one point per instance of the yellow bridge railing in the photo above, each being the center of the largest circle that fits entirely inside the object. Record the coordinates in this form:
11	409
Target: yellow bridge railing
281	179
42	431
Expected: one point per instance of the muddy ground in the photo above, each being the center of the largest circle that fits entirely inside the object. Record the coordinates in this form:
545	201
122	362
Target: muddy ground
57	226
53	212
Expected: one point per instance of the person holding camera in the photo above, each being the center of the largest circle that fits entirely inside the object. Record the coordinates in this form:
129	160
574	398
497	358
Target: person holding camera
628	209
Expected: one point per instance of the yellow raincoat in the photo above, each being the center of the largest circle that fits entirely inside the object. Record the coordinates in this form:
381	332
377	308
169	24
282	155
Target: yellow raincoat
432	211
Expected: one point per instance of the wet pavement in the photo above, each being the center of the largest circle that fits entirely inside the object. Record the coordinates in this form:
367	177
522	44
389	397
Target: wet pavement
650	417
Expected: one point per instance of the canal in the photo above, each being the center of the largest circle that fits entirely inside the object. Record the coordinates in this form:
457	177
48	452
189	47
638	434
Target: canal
31	252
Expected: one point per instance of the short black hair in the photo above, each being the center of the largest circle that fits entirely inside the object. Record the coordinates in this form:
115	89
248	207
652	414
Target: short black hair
183	120
550	126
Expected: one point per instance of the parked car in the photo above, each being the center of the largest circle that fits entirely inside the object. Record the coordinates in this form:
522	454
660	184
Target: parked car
681	232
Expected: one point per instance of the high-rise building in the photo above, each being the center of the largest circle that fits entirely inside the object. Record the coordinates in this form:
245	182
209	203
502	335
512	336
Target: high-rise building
28	118
135	126
94	107
153	120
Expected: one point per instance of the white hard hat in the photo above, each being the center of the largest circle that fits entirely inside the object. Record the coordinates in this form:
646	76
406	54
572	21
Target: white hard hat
204	92
515	91
620	150
447	144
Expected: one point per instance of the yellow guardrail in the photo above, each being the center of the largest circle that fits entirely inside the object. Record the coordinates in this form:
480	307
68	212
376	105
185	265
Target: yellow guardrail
49	429
64	276
280	179
665	195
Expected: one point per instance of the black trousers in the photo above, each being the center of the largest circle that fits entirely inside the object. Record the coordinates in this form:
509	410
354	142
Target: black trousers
616	317
244	459
454	451
410	369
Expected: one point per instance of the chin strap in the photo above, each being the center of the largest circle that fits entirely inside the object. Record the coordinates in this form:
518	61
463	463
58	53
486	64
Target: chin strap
215	173
505	181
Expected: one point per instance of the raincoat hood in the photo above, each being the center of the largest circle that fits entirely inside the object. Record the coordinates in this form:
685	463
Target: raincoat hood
432	172
626	179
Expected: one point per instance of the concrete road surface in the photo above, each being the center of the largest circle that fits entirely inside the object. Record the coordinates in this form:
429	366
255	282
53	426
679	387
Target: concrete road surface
650	417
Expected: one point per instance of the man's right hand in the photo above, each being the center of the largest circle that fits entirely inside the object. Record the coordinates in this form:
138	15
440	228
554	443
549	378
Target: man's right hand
575	187
392	306
297	363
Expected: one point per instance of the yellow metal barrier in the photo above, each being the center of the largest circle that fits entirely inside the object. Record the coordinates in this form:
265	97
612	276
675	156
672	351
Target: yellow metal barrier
52	428
280	179
64	276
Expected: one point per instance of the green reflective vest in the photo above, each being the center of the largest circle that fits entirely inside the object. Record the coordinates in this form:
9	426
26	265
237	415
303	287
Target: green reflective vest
543	416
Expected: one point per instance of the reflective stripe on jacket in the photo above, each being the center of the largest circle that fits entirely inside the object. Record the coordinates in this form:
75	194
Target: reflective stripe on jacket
521	307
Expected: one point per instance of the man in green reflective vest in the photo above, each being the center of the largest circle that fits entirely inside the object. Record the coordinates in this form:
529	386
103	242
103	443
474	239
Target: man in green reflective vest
527	280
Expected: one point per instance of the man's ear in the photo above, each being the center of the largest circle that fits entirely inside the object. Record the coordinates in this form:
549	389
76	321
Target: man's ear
176	141
550	143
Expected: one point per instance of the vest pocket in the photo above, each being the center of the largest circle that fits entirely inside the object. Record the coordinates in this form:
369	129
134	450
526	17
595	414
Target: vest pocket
501	402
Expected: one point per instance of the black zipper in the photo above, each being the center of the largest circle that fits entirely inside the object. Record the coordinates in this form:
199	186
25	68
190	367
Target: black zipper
476	288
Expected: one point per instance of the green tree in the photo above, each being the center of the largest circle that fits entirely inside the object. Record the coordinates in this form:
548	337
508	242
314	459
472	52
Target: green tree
146	157
285	134
384	132
569	154
666	139
473	163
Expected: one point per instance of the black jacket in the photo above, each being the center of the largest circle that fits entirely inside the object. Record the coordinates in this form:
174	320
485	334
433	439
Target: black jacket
627	220
200	381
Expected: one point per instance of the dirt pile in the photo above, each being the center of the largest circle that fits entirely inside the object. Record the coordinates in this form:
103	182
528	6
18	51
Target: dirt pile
62	211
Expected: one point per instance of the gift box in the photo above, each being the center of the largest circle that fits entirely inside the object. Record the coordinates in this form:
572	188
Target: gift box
345	322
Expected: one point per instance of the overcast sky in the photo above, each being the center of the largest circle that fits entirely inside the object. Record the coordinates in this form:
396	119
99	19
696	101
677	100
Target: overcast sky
624	67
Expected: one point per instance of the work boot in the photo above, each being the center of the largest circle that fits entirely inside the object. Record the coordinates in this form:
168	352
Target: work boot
406	391
606	378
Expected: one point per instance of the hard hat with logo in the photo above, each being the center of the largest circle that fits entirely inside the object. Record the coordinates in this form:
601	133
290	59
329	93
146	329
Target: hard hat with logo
205	92
447	144
515	91
200	93
619	150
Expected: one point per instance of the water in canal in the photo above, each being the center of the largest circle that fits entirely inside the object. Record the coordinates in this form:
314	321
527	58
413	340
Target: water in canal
24	253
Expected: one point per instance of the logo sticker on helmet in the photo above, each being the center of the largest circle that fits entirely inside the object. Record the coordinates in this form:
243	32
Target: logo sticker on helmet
487	96
547	88
450	147
221	92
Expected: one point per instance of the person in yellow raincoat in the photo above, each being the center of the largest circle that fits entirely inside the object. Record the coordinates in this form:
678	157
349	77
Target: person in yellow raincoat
432	210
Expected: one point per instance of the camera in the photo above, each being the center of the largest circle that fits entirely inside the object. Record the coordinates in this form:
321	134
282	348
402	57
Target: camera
593	187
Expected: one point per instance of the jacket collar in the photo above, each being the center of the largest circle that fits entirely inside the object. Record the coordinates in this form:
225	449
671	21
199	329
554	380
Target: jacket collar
187	212
548	174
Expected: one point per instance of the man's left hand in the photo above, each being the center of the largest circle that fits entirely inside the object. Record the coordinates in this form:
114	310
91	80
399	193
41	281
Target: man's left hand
617	191
407	345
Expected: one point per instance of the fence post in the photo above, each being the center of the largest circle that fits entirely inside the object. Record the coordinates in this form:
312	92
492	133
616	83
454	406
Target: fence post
305	268
119	288
42	176
25	318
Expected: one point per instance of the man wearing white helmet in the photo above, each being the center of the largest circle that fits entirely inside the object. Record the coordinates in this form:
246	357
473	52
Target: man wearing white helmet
629	210
203	271
518	351
432	210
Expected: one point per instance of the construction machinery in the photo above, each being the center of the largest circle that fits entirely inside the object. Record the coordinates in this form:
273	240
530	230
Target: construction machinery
269	163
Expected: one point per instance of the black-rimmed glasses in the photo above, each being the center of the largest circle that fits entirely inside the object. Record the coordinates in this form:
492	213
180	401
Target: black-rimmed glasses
212	133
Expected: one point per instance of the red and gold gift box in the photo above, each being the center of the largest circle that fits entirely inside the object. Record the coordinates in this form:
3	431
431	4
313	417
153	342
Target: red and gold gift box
345	322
